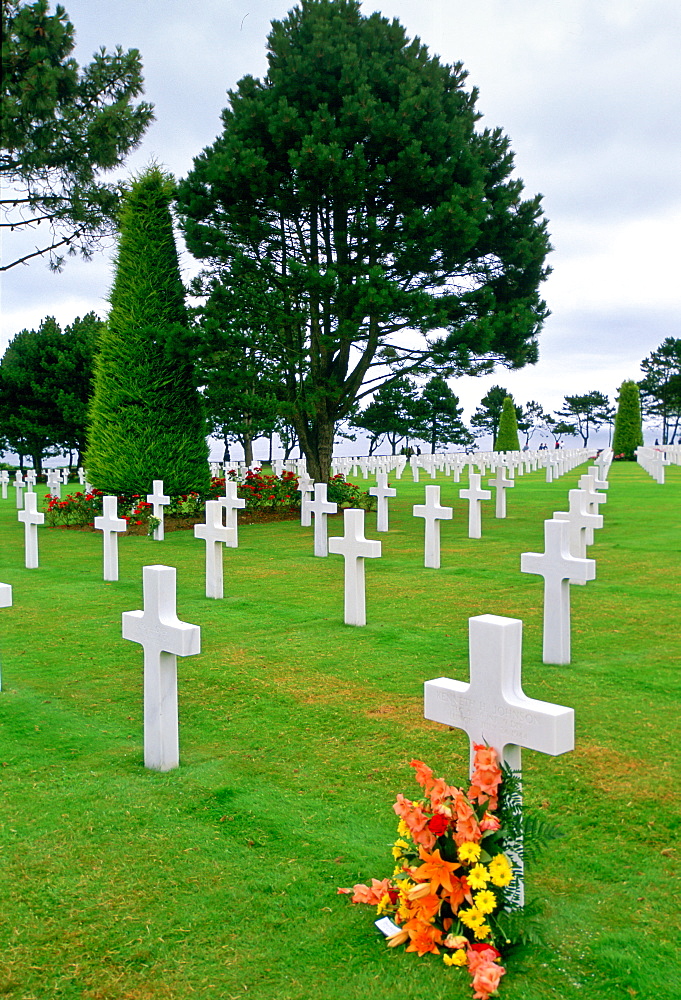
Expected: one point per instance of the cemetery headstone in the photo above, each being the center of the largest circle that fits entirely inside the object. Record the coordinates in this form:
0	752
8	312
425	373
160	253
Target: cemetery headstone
355	548
501	483
5	595
31	518
559	570
579	520
305	488
432	513
382	491
158	501
109	523
19	485
231	503
215	534
320	507
4	481
493	709
475	496
163	637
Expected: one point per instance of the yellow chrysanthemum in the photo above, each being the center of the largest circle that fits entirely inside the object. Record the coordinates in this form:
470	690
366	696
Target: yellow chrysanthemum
500	871
458	958
402	829
469	852
383	904
399	847
478	877
482	931
397	870
485	901
471	918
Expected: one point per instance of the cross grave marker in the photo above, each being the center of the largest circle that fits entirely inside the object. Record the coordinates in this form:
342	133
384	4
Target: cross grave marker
559	570
501	483
215	534
109	523
355	548
475	496
163	637
158	501
493	709
31	518
432	513
231	503
382	491
320	507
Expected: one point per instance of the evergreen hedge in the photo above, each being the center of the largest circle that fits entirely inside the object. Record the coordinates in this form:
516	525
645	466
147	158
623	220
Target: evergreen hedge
146	418
628	435
507	434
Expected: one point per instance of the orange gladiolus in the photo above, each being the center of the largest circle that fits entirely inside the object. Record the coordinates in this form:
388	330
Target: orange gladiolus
467	828
486	776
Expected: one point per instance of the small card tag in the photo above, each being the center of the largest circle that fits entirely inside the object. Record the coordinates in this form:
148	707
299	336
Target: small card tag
387	927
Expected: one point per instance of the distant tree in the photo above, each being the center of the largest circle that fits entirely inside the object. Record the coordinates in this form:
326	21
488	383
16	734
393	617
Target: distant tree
507	434
439	416
45	388
147	420
391	414
628	435
558	429
62	128
661	387
385	231
530	418
485	420
589	412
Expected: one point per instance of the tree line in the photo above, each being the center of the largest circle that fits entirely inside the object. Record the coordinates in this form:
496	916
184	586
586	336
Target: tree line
46	389
363	242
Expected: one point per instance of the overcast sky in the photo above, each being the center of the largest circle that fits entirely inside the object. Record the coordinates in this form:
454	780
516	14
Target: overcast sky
589	92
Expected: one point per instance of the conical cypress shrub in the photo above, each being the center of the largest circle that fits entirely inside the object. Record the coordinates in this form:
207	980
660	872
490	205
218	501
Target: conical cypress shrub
146	417
628	430
507	434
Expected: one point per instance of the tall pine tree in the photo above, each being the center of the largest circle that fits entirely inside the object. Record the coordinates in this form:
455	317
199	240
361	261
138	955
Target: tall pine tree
147	419
507	435
628	435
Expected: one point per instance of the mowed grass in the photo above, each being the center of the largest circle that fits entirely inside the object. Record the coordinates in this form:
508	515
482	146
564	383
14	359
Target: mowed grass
218	880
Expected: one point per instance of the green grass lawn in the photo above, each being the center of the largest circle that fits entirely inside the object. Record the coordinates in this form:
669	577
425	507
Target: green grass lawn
218	880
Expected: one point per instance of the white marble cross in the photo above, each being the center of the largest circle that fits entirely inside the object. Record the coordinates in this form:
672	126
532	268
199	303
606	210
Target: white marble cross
158	501
355	548
559	570
231	502
432	513
163	637
19	485
475	496
31	518
30	479
501	483
4	480
215	534
493	709
382	491
594	499
5	595
109	523
305	487
579	519
320	507
54	482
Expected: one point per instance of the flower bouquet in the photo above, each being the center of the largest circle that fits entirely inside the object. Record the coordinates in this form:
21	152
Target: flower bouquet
453	884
